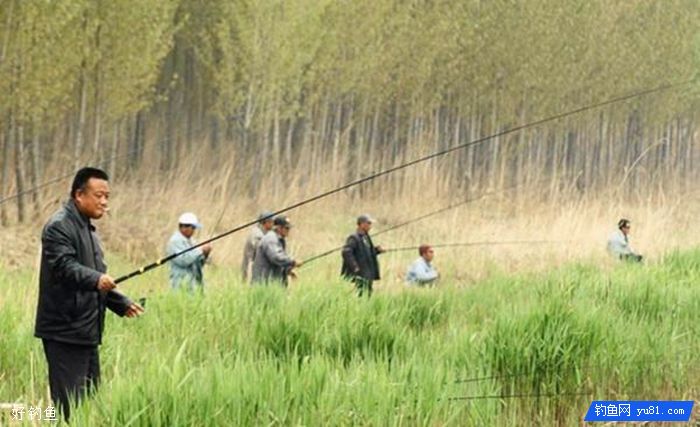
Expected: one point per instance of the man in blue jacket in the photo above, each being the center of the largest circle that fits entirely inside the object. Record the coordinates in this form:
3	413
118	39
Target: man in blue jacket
74	291
186	269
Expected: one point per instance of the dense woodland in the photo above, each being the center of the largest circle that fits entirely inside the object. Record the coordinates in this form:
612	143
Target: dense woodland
320	92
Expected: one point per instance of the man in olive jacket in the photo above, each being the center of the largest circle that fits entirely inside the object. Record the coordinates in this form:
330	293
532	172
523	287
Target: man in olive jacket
360	264
74	291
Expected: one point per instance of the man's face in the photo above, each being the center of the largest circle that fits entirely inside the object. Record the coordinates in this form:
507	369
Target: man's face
187	230
92	201
429	255
626	229
365	226
267	225
283	231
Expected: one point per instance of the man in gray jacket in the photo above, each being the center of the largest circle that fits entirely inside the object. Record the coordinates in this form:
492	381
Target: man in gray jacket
74	291
265	222
272	263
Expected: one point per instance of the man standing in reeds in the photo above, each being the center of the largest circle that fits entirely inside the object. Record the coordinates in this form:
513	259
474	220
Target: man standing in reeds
619	245
186	270
74	291
272	263
360	263
265	223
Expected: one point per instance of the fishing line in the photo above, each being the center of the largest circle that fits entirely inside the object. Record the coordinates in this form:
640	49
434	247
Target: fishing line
519	396
71	174
478	243
376	175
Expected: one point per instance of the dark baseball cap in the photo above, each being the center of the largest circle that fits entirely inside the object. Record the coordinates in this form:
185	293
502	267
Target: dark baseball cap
282	221
364	218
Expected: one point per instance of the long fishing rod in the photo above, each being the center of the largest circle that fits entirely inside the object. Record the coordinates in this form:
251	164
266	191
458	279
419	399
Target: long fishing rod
420	218
70	174
402	166
520	396
411	221
480	243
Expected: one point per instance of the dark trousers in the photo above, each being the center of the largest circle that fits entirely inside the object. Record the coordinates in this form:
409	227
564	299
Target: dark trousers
631	258
362	285
74	370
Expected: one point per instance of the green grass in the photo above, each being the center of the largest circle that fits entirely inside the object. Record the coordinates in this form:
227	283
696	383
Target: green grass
316	355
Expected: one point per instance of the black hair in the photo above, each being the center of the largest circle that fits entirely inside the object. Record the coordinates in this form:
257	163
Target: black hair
623	223
83	176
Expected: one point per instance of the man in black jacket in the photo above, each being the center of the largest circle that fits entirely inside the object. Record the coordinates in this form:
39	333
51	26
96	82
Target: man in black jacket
74	291
360	264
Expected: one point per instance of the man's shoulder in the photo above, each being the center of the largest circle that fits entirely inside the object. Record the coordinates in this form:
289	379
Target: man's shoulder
58	220
177	237
257	232
615	235
418	262
270	237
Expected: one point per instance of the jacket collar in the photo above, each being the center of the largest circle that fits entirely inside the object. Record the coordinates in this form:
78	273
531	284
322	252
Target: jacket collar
73	211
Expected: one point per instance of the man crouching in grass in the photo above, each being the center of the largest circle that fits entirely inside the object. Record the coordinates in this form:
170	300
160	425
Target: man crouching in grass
74	291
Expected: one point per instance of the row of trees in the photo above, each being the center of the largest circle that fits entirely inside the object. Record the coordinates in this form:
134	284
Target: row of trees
322	91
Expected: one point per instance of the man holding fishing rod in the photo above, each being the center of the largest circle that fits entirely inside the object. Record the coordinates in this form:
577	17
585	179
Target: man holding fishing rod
74	291
422	272
272	263
360	264
186	270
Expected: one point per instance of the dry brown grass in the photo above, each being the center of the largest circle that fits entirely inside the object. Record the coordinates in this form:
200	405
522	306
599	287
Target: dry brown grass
145	210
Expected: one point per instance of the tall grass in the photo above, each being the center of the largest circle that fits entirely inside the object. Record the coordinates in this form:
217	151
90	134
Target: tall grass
317	355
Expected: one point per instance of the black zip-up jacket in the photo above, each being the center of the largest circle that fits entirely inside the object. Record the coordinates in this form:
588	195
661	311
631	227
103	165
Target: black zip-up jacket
70	307
360	257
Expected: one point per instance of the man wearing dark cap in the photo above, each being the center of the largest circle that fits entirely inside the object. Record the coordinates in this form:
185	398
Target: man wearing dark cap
619	244
74	291
272	263
265	223
360	264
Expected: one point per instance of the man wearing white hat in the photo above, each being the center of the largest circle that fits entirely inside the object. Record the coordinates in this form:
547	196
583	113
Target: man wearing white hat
186	269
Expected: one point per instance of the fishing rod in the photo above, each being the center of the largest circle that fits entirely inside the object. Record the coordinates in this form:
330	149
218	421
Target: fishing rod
424	216
412	220
480	243
402	166
70	174
520	396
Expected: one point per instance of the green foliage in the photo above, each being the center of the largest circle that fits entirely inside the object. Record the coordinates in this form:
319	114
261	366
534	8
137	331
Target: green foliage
319	355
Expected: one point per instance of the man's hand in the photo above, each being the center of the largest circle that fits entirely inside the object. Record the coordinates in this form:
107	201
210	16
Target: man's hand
206	249
379	249
134	310
297	264
106	283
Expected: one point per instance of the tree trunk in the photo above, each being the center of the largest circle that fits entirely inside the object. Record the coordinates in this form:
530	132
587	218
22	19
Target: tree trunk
5	169
112	162
19	172
78	143
36	175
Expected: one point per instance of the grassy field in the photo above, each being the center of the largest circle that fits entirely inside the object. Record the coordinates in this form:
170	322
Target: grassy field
316	355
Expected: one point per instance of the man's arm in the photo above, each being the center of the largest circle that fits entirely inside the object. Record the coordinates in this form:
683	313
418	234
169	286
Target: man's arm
62	257
425	274
117	302
187	259
349	254
276	255
122	305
